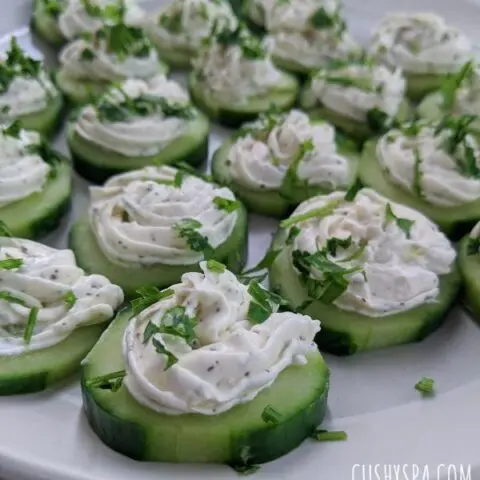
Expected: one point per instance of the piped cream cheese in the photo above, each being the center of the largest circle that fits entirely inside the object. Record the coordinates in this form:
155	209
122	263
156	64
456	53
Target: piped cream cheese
393	257
137	135
262	160
420	43
423	165
22	172
50	281
229	361
133	217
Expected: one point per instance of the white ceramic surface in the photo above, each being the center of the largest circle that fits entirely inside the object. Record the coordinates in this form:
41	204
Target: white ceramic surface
46	437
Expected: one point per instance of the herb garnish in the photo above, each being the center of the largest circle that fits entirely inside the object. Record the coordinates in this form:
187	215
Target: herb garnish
473	245
32	320
426	386
171	22
291	181
13	130
333	243
215	267
403	224
188	230
226	204
70	299
270	415
353	190
263	302
178	179
52	7
111	381
263	125
377	120
47	154
11	263
292	235
161	349
326	436
453	82
315	213
321	19
7	296
148	296
113	12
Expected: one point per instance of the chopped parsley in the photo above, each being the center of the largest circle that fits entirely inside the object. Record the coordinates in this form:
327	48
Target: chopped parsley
13	130
114	12
178	179
334	243
111	381
403	224
263	302
32	320
473	246
148	296
321	19
188	230
377	119
87	55
161	349
11	263
270	415
453	82
47	153
226	35
70	299
326	436
226	204
263	125
215	267
8	297
425	386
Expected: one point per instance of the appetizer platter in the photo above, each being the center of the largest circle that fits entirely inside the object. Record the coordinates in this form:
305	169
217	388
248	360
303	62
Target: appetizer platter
238	238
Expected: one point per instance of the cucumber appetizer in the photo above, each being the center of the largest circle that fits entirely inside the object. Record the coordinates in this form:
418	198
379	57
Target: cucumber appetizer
139	123
180	28
469	263
60	21
458	95
234	80
376	273
305	33
434	168
35	183
206	371
89	65
359	97
150	226
27	93
280	160
52	314
423	46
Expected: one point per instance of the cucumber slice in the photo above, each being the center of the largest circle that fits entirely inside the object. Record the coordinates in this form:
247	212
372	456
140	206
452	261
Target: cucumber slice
454	221
283	97
346	333
470	270
81	92
359	131
97	164
233	253
292	66
179	59
46	25
275	203
47	121
299	394
41	212
419	85
36	370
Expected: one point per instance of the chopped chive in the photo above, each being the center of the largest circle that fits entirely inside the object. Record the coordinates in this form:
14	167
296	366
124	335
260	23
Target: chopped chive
32	320
7	296
326	436
111	381
315	213
417	174
148	296
11	263
425	385
270	415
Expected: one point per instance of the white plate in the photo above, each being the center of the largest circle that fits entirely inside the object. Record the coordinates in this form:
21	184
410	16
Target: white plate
46	437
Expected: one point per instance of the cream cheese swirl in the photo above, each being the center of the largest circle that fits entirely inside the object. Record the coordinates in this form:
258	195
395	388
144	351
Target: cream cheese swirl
75	19
184	24
231	77
420	43
133	217
395	270
232	360
138	135
102	65
263	163
43	281
353	90
22	173
422	165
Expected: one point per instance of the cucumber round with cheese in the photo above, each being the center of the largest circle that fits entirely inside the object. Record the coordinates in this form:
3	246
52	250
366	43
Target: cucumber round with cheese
469	264
161	210
139	124
44	23
325	296
436	193
273	420
279	200
53	314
